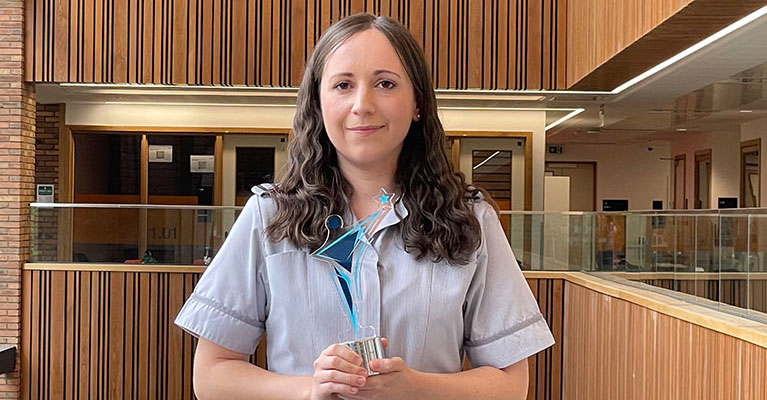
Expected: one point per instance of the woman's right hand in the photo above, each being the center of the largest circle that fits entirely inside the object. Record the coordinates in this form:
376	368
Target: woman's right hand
337	371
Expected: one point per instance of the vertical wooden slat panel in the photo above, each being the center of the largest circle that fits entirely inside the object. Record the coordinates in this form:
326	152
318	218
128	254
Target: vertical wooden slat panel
27	329
488	38
274	43
98	40
141	368
180	39
451	30
443	33
468	44
40	45
106	335
265	43
56	331
60	42
298	27
239	51
116	298
205	37
120	40
70	324
534	31
130	338
145	26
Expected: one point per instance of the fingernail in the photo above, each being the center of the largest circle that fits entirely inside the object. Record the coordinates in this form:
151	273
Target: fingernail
359	360
353	390
362	372
360	381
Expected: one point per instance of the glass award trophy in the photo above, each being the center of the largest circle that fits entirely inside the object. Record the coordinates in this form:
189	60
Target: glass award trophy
343	250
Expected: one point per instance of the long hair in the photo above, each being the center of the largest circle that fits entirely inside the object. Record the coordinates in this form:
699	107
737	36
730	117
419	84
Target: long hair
440	224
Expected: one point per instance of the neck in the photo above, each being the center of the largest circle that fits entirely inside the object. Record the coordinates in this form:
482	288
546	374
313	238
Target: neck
367	182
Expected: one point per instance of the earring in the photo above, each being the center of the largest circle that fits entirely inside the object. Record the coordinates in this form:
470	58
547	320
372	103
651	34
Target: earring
418	117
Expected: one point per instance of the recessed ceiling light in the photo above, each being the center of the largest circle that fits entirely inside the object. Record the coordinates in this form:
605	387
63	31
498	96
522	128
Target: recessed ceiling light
746	111
681	129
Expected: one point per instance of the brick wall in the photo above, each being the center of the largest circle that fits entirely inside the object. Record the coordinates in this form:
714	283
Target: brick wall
47	146
44	221
17	176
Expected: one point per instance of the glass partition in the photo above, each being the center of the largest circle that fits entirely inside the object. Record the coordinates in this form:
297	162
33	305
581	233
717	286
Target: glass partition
126	233
717	257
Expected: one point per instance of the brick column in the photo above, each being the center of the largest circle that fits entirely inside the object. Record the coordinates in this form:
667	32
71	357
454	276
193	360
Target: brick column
17	170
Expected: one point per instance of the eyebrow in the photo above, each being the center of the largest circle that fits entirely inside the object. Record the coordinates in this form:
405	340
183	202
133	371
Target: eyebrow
376	72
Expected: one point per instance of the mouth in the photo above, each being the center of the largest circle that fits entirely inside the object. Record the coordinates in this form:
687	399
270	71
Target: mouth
365	129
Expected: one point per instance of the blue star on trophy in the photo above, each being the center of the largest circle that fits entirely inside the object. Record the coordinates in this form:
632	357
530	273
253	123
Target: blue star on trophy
343	250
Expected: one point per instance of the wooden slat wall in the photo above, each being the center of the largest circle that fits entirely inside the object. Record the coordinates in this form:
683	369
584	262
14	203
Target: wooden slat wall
105	335
617	349
610	42
546	367
744	293
488	44
597	30
110	335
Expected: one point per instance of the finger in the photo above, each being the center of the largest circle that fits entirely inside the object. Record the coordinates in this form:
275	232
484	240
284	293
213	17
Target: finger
331	375
343	352
387	365
338	388
338	364
385	343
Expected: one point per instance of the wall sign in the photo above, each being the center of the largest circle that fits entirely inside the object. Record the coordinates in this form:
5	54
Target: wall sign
44	193
158	153
201	164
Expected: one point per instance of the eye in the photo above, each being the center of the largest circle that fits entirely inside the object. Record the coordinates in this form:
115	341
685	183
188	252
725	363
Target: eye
387	84
342	85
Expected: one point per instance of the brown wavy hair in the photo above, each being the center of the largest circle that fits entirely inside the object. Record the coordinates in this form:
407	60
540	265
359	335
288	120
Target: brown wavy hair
440	223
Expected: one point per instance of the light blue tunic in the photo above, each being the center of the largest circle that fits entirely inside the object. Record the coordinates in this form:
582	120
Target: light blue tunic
430	312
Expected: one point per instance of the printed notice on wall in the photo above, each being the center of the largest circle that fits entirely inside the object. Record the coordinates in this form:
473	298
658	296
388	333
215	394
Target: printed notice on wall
201	164
44	193
160	153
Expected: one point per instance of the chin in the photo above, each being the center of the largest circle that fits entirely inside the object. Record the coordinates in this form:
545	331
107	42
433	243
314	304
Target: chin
367	157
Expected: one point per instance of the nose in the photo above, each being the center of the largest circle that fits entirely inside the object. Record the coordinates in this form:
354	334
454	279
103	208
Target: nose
363	101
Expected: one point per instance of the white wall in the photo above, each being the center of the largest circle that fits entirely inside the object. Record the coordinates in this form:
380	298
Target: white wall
624	171
725	162
725	165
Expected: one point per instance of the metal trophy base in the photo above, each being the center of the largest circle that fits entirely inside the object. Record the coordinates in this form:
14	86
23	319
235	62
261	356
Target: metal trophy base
368	348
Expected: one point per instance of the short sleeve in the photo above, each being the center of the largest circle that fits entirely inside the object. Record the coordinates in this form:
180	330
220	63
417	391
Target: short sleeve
228	305
502	321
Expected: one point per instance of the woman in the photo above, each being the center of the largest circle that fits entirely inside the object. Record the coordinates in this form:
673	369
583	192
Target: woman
441	280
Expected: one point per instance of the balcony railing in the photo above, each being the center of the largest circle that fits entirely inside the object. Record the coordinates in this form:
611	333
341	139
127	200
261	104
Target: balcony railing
720	257
128	233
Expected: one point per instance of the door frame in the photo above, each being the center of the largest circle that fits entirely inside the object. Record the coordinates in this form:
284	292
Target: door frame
683	159
700	156
747	147
455	136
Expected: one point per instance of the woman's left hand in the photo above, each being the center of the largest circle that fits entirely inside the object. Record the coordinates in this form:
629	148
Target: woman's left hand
395	381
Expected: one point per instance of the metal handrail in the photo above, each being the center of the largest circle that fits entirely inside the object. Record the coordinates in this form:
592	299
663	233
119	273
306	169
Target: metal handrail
133	206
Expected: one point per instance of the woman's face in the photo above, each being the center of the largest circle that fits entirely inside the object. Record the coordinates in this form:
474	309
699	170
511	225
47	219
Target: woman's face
367	100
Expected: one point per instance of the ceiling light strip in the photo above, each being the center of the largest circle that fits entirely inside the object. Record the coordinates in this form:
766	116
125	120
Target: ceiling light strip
689	51
563	119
